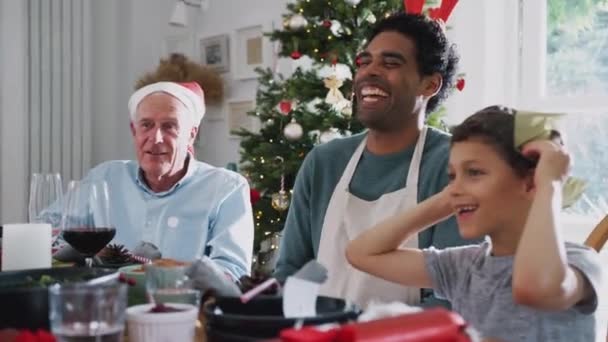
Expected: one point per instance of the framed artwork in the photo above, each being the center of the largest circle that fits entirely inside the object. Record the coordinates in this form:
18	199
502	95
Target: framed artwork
251	51
238	118
214	52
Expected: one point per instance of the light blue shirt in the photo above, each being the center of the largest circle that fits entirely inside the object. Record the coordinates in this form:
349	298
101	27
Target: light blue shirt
208	208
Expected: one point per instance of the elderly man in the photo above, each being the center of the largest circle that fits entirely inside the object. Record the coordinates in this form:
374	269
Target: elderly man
168	198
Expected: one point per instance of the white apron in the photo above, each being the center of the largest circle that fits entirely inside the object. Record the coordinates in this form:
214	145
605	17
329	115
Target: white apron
346	217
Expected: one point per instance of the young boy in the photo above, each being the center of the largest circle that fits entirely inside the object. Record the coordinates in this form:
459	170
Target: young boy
526	283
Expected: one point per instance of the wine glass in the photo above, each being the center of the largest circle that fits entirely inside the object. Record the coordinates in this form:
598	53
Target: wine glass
86	224
46	200
167	284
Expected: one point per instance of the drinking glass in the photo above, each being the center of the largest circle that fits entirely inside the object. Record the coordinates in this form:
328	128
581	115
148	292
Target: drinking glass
81	312
170	284
46	192
86	224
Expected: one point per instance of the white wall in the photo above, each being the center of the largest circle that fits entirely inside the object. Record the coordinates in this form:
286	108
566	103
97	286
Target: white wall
13	107
223	17
485	33
129	38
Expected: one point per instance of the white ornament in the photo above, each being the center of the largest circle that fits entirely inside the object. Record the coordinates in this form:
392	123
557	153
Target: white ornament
293	131
344	106
314	136
305	63
336	28
311	106
340	71
269	122
329	135
371	18
297	22
353	2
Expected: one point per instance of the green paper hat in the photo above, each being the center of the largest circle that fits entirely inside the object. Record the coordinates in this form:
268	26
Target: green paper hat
530	126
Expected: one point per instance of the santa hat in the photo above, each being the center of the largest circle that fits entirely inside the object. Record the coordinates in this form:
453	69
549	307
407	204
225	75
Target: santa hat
189	93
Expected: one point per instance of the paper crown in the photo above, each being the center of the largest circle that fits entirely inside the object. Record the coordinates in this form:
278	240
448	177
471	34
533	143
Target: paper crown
530	126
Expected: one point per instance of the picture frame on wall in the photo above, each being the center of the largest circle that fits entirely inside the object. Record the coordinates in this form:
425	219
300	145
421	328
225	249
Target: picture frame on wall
238	117
214	52
251	51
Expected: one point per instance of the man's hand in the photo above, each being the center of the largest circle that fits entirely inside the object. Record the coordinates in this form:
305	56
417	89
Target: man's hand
147	250
553	161
207	277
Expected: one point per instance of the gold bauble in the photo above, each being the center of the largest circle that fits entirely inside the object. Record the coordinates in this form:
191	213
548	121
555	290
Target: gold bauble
280	200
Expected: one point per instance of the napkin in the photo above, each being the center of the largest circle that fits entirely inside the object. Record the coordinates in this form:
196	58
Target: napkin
530	126
302	289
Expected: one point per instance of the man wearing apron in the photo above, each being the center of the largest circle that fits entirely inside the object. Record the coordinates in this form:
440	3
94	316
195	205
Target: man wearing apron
350	184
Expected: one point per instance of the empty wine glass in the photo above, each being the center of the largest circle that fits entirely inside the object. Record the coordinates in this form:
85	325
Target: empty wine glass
46	190
45	200
86	224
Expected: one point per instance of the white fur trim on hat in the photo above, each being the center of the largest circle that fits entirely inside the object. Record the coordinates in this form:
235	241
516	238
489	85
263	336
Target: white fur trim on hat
193	102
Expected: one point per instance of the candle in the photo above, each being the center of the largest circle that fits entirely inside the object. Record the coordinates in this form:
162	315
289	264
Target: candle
26	246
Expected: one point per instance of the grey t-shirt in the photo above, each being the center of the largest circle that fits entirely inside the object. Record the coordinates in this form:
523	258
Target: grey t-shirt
479	287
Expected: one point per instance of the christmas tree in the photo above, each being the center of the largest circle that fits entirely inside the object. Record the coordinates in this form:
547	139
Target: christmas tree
309	107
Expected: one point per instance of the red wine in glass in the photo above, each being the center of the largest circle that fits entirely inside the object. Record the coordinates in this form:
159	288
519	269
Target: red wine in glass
89	241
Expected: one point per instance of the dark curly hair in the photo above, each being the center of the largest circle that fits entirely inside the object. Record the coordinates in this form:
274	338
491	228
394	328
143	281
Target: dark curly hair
495	126
434	53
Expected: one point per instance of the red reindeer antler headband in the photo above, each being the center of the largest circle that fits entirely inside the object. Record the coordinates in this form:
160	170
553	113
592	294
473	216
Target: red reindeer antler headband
443	12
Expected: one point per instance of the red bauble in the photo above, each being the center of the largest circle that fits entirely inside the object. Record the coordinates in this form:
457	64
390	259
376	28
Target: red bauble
460	84
296	55
254	196
358	61
326	23
285	107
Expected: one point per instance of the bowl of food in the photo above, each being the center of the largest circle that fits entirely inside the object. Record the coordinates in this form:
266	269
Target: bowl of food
24	294
151	323
228	319
135	277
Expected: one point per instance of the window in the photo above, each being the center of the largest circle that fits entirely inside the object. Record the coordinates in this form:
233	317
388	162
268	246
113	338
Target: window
563	67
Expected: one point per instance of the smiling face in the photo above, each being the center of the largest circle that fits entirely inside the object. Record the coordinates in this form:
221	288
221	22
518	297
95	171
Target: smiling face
486	194
388	86
162	132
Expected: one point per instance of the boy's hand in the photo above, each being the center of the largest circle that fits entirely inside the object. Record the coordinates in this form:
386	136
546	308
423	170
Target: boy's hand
438	206
553	161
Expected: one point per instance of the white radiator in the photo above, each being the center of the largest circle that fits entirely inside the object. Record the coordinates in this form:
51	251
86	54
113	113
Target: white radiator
59	96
